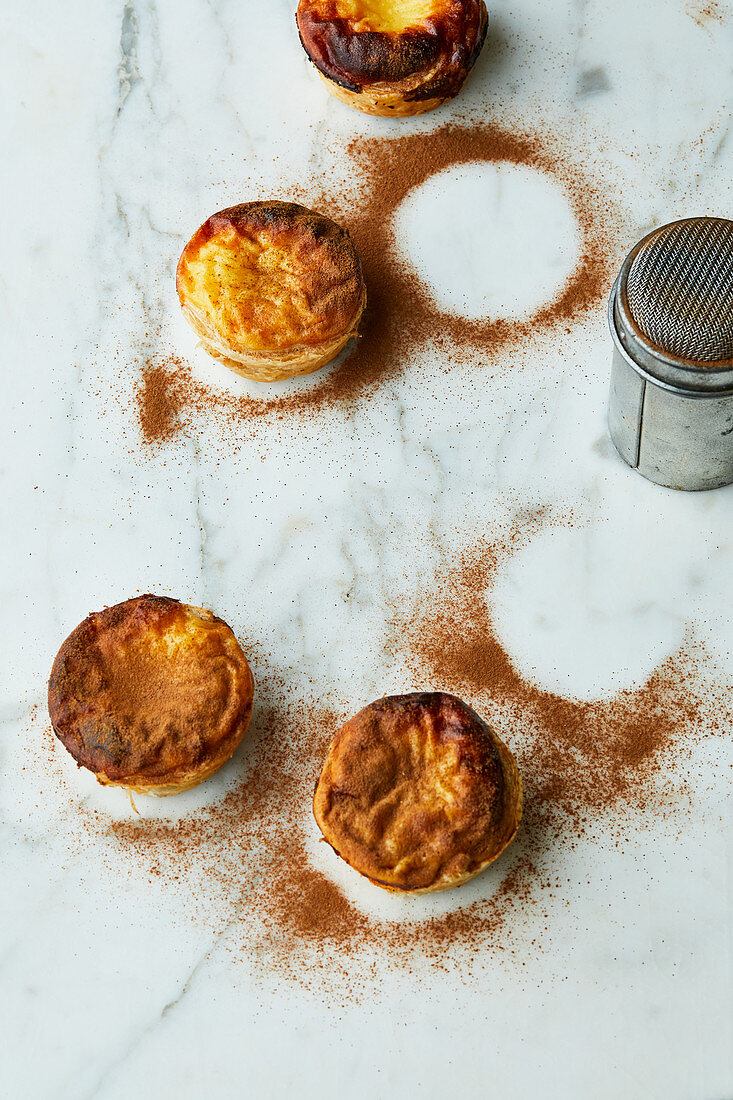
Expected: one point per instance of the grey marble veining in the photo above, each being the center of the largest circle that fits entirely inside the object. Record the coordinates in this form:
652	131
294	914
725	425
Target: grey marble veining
125	123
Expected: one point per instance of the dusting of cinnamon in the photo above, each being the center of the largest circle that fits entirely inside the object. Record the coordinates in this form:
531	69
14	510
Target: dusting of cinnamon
579	757
418	793
705	13
245	862
150	692
160	397
401	317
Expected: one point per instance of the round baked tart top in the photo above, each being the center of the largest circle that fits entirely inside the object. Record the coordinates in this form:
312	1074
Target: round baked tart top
151	694
270	277
430	44
418	793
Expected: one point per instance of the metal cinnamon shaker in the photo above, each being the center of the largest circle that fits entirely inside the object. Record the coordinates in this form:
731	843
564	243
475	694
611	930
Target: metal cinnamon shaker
671	317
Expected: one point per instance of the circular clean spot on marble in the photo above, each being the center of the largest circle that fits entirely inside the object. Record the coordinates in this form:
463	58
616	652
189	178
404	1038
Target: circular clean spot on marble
583	613
491	241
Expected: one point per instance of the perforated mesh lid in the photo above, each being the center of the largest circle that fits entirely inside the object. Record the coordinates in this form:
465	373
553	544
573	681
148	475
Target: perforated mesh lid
679	290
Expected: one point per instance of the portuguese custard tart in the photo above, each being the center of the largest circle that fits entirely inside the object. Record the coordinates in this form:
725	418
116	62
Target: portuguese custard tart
151	695
393	57
418	793
272	289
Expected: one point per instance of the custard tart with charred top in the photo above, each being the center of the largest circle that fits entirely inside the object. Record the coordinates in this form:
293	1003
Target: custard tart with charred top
152	695
271	288
418	793
393	57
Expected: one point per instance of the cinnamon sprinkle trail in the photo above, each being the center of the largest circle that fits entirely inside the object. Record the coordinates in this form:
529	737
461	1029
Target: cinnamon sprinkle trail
401	317
244	858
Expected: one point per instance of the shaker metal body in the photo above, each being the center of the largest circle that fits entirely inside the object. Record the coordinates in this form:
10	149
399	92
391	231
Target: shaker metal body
671	416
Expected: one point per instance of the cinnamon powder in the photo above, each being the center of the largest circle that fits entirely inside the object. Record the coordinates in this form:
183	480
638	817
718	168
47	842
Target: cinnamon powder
704	13
160	396
585	756
401	317
244	860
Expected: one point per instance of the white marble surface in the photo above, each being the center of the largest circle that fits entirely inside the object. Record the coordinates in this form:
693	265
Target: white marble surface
124	124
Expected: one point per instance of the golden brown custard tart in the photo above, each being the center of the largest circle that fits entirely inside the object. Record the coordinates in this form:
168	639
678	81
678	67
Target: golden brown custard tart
152	695
418	793
272	289
393	57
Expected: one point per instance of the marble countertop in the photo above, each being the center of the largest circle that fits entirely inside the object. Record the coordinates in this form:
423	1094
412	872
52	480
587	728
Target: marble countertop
127	122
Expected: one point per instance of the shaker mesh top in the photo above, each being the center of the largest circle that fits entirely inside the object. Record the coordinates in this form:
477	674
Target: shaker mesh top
680	289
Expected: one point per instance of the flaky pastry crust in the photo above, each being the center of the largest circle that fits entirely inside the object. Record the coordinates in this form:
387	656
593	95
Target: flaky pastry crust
272	289
152	695
393	57
418	793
